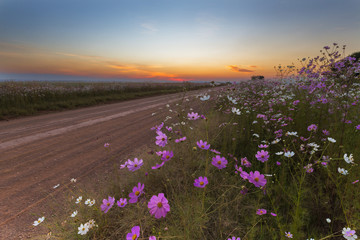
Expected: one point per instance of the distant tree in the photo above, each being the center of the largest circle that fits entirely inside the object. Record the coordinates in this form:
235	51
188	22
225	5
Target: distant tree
356	55
259	77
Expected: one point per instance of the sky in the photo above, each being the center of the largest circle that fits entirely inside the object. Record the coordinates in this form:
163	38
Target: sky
168	40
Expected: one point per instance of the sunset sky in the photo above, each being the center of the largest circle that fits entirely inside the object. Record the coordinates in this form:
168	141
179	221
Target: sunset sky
204	40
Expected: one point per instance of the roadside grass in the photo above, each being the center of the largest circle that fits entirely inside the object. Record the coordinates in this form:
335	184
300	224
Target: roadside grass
283	162
29	98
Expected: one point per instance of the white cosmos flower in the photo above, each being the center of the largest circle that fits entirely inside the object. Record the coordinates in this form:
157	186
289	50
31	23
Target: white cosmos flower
254	122
83	229
279	153
289	154
73	180
91	223
92	202
256	135
56	186
277	140
74	213
236	111
292	134
87	201
349	159
349	234
78	200
205	98
342	171
40	220
328	220
331	140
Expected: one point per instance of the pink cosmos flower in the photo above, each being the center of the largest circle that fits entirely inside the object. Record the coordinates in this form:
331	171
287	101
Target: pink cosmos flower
262	156
245	162
159	206
234	238
122	202
257	179
158	128
180	139
124	165
288	235
167	155
134	165
135	233
215	151
261	211
201	182
263	146
161	139
107	204
312	127
193	116
357	127
219	162
136	192
158	165
169	128
273	214
106	145
203	145
152	238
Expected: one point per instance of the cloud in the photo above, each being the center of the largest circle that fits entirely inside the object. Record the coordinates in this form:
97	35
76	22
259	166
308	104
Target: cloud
150	28
238	69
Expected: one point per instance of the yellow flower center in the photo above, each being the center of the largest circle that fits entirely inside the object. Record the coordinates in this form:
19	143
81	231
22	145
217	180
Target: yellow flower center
163	139
159	204
201	183
219	162
122	204
137	193
167	157
108	204
256	179
134	237
202	146
135	165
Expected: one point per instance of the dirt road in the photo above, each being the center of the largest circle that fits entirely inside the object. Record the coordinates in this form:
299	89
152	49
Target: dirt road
37	153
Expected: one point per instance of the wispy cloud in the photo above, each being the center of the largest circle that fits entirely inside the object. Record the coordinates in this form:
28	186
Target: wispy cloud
208	25
149	28
238	69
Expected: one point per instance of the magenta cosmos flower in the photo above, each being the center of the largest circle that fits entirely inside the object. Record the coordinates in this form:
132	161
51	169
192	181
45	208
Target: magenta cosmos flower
107	204
261	211
234	238
257	179
136	192
201	182
161	139
152	238
203	145
135	233
193	116
262	156
312	127
122	202
180	139
159	206
219	162
167	155
134	165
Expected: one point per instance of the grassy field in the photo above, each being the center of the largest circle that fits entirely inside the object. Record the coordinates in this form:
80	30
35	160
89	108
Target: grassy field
28	98
256	160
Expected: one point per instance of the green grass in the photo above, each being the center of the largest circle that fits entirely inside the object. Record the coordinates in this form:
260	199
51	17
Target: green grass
29	98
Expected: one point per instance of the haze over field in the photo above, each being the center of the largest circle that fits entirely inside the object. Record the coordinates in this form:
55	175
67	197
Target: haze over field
203	40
